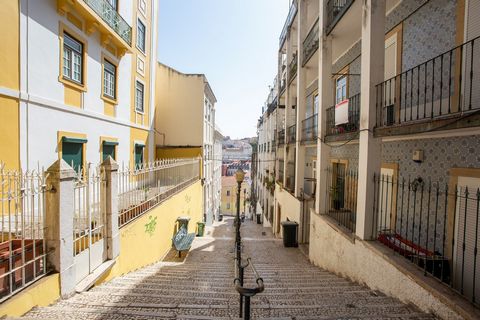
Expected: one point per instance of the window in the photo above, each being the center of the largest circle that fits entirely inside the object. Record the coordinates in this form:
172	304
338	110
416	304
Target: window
109	79
139	88
108	149
228	206
341	89
228	193
138	154
140	35
72	59
72	152
113	3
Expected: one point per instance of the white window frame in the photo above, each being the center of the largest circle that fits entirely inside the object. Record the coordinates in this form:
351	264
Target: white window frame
141	23
142	110
70	54
109	79
340	84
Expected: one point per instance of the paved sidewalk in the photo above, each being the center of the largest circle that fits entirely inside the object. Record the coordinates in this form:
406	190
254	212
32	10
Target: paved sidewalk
201	287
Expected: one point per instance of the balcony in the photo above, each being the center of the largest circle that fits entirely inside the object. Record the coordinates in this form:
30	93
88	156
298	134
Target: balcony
290	185
347	130
101	16
291	16
310	129
281	137
280	170
292	68
439	94
292	134
310	44
335	11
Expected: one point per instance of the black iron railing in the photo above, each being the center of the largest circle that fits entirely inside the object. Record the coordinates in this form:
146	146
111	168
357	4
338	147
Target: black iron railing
342	187
246	293
310	128
310	44
444	86
273	145
292	133
353	118
433	225
280	170
292	68
335	11
288	22
281	137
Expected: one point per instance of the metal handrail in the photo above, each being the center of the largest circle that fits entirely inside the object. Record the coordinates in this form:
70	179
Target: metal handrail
246	293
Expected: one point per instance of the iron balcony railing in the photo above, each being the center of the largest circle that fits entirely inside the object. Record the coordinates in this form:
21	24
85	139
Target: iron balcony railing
281	137
342	187
291	16
292	68
292	134
112	18
280	170
353	124
310	128
433	225
335	11
444	86
310	44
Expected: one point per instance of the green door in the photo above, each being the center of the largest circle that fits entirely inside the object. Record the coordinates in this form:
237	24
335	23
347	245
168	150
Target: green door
72	153
108	150
138	155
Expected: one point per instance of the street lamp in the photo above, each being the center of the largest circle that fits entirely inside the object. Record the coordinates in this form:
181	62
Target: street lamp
239	176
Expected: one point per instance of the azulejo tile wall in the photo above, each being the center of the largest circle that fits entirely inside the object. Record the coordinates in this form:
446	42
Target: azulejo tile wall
346	152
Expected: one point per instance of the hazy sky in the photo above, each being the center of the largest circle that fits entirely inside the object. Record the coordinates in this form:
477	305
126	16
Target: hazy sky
234	43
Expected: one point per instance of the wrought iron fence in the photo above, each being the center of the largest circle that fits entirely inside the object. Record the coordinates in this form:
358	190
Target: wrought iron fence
353	124
310	44
310	128
144	187
448	84
433	225
290	185
288	22
292	68
342	187
292	134
23	251
335	10
111	17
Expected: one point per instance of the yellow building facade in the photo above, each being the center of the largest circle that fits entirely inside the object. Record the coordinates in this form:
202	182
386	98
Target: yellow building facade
229	196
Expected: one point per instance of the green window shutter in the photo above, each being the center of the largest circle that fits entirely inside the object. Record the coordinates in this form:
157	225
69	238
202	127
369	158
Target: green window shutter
138	155
72	153
108	150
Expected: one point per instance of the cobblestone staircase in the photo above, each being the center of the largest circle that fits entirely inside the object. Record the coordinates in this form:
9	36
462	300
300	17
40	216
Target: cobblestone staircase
202	288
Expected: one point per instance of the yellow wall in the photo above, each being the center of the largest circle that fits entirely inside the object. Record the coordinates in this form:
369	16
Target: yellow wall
179	101
175	153
42	293
139	247
9	78
232	198
138	135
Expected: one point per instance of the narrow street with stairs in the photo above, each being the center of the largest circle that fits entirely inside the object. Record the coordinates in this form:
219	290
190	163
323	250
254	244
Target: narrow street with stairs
201	286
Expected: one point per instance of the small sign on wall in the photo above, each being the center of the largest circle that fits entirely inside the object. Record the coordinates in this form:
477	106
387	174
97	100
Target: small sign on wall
341	112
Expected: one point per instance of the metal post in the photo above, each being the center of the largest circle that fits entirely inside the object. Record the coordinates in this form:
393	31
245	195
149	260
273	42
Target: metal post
247	308
241	296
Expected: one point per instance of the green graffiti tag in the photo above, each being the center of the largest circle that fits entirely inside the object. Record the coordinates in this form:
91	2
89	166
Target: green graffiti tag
151	225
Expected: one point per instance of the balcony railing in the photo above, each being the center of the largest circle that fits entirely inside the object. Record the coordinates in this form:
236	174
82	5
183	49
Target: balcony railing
281	137
434	226
112	18
292	134
442	87
353	118
290	185
310	44
310	129
335	11
342	187
292	68
291	16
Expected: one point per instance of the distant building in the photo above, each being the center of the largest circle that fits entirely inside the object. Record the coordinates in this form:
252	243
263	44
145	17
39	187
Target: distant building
236	150
229	195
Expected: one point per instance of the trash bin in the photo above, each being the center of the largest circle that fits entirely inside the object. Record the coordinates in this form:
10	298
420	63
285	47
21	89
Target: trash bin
220	217
290	230
182	221
259	218
200	229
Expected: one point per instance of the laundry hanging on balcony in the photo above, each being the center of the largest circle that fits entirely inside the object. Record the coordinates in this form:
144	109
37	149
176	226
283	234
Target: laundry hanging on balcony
341	112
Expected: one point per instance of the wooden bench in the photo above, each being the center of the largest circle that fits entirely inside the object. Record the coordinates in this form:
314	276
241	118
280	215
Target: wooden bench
183	240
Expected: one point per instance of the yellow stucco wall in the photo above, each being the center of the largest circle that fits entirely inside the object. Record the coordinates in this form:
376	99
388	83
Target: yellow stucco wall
42	293
232	198
175	153
179	100
138	135
149	238
9	78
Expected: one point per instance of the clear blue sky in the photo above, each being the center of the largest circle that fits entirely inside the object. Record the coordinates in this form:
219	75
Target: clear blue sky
234	43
